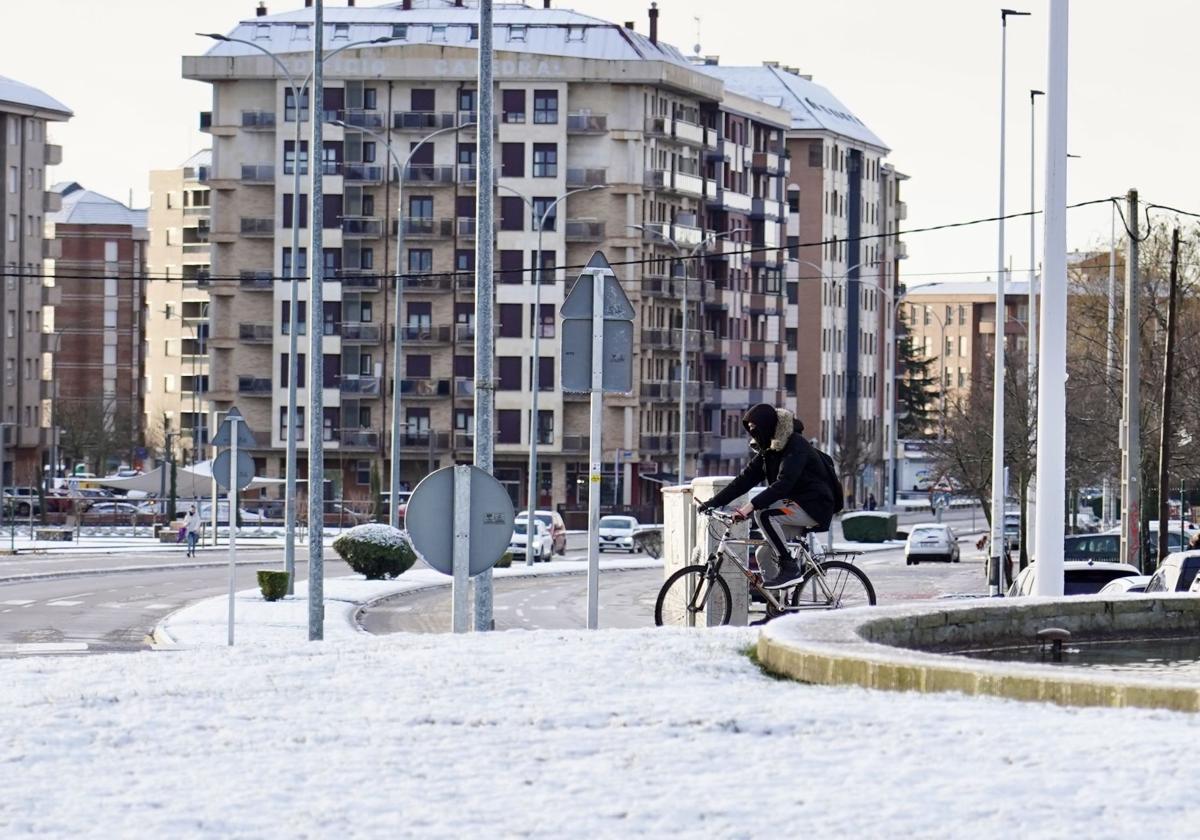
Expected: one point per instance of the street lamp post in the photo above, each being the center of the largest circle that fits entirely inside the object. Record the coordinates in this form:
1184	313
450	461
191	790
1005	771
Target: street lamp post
530	522
691	255
398	356
315	156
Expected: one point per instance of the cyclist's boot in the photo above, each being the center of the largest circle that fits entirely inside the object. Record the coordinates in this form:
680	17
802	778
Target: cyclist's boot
789	575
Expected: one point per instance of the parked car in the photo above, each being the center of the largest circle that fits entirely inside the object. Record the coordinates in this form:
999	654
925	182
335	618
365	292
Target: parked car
247	517
541	541
1104	548
1080	577
1012	530
385	505
553	520
1085	522
616	533
931	541
1126	585
1176	573
21	501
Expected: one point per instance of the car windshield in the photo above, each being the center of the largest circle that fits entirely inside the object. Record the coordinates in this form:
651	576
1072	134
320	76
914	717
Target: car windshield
616	522
927	532
519	528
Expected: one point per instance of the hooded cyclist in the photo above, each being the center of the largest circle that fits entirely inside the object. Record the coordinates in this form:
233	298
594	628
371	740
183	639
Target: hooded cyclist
798	496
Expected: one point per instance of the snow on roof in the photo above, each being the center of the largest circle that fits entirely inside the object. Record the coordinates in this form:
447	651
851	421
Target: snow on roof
201	158
964	288
84	207
813	107
517	28
19	93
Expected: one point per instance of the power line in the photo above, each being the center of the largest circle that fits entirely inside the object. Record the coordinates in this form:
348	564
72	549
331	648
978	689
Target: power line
670	258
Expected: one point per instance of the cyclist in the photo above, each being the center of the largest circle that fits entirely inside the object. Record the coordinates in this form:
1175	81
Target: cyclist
798	495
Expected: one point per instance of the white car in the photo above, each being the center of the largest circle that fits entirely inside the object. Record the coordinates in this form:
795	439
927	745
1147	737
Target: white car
616	533
1126	585
541	542
931	541
1080	577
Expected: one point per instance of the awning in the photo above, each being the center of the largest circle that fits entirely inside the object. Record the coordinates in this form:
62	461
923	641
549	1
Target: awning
191	482
663	478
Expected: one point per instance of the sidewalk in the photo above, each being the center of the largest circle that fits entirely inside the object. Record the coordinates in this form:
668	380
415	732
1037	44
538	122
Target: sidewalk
285	622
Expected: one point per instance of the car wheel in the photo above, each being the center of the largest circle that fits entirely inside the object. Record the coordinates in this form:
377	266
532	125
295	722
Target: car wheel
916	562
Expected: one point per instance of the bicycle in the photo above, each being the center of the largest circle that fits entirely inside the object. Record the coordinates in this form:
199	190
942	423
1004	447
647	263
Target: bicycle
699	589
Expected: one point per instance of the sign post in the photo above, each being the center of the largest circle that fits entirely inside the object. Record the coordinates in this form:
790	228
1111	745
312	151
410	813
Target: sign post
460	610
233	470
597	356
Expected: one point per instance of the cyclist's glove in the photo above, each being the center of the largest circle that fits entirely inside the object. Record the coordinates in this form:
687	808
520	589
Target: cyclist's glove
704	507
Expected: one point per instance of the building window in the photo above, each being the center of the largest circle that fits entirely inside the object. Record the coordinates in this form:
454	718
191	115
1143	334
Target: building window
508	425
509	319
439	32
512	269
301	262
513	105
547	320
400	31
545	373
341	32
962	346
512	213
512	160
816	154
540	205
287	210
464	260
516	32
949	346
508	370
545	160
289	157
420	260
289	105
545	107
283	430
549	261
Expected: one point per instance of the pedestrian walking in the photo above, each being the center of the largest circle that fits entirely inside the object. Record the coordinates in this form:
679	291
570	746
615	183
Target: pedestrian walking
871	503
192	525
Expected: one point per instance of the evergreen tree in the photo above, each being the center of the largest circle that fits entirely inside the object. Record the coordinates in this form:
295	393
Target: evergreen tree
917	391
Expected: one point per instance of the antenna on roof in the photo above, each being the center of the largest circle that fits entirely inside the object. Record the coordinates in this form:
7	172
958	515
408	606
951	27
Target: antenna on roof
696	48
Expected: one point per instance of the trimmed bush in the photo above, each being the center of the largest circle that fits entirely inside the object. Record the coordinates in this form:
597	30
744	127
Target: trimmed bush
505	561
376	551
869	526
272	583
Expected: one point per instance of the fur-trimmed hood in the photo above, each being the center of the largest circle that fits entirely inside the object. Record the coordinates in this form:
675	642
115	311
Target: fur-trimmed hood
786	424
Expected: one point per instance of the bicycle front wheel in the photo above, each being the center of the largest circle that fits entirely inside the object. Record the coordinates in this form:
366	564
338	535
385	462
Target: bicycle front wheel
833	584
693	596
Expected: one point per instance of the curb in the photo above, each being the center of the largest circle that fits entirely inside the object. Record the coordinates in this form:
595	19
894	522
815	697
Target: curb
34	576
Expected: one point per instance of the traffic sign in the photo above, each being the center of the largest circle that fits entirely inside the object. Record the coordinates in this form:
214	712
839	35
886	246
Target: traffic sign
430	520
244	472
579	300
617	356
223	436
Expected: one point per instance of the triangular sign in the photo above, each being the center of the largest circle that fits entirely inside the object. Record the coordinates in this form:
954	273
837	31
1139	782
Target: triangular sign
224	435
579	300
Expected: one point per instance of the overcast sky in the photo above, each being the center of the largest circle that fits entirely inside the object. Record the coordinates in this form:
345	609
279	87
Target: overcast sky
924	75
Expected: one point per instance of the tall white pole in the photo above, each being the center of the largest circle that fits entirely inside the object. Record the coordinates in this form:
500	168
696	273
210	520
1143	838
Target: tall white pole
234	430
484	248
595	451
534	383
1032	353
683	377
1052	369
397	345
316	328
289	502
1131	412
1110	354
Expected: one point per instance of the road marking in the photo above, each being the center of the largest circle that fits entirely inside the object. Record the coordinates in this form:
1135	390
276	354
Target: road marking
63	603
114	605
160	606
16	602
44	647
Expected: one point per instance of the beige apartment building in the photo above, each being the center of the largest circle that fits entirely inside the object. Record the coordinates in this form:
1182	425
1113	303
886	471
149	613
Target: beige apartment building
580	102
25	346
177	300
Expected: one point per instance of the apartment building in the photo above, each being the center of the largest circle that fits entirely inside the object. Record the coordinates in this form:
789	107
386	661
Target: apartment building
25	115
99	279
581	102
843	215
177	325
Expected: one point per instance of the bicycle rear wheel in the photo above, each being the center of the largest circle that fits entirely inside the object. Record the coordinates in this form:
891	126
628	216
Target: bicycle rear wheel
693	596
840	584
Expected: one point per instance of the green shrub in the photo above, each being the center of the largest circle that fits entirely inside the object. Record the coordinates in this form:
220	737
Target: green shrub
505	561
869	526
376	551
273	583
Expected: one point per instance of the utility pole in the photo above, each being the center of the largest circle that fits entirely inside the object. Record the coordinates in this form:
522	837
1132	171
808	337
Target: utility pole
484	249
1032	334
316	327
1131	424
1110	350
1165	429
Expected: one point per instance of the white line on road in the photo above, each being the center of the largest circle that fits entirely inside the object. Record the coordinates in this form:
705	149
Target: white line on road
44	647
160	606
113	605
16	602
63	603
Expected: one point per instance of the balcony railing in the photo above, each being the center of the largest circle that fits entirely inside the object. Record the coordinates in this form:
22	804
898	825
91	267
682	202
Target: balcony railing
428	282
464	332
587	123
464	387
254	386
362	226
257	227
666	444
259	173
464	440
258	120
358	439
425	387
575	443
364	385
422	120
655	390
427	173
362	172
359	118
256	281
418	334
421	226
466	226
256	333
425	440
354	278
577	177
584	230
354	332
669	339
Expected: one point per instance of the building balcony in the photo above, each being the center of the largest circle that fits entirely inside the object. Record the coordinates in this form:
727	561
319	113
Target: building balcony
421	227
736	202
427	173
51	202
464	387
367	386
759	351
260	333
655	390
365	439
195	214
424	388
253	386
257	173
658	126
762	208
360	118
196	173
256	281
670	339
425	441
670	287
354	332
575	443
464	440
687	132
464	333
668	444
466	227
684	235
584	230
425	334
771	163
587	123
423	120
358	278
432	283
361	173
260	228
362	227
578	177
258	120
53	154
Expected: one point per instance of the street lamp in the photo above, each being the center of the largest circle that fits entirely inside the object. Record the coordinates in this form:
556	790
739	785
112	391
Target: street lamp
315	155
530	522
690	255
401	169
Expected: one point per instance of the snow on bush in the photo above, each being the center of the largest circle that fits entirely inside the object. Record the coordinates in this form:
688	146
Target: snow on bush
376	551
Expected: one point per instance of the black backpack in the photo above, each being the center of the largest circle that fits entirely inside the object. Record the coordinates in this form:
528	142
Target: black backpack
831	478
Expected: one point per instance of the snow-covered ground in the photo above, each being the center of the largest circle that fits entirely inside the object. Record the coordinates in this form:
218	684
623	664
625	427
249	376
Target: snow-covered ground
556	734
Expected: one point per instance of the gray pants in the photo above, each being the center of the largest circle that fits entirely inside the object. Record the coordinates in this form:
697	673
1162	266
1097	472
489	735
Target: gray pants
778	523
